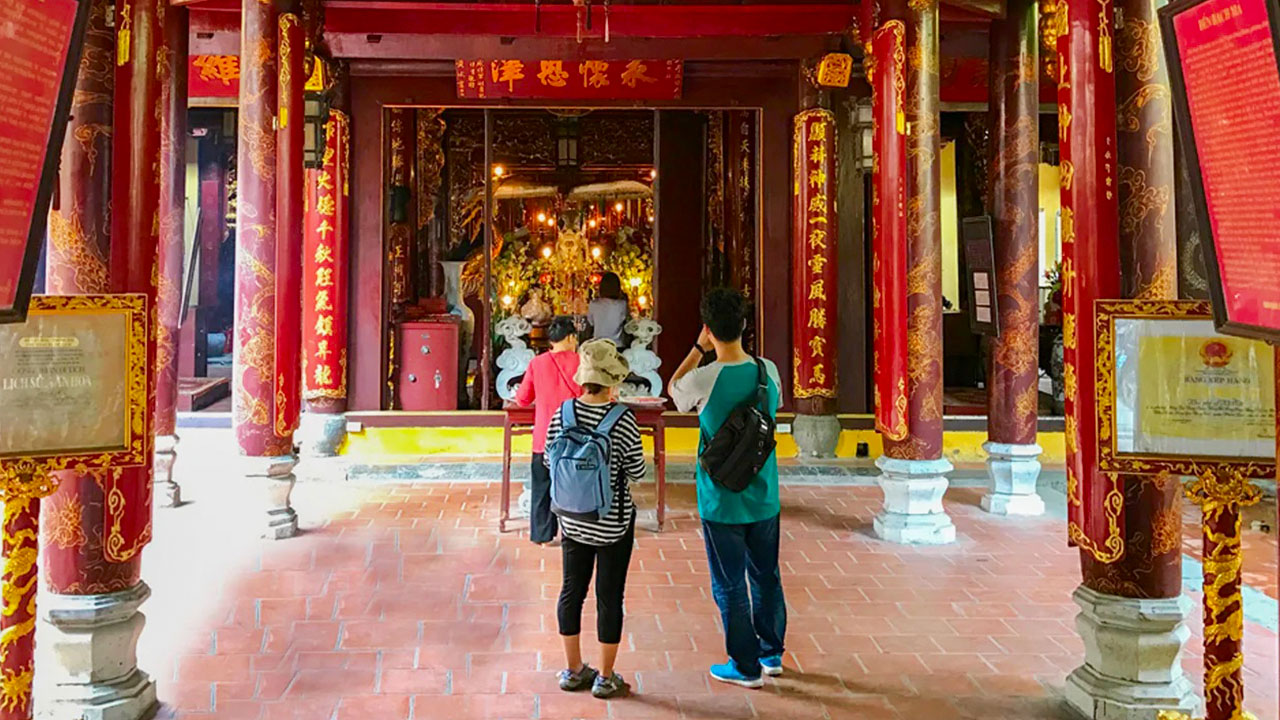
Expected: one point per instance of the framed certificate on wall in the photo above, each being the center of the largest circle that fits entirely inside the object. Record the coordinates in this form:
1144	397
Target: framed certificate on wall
1176	396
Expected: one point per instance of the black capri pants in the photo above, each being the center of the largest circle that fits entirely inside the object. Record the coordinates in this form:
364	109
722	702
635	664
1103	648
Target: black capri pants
610	563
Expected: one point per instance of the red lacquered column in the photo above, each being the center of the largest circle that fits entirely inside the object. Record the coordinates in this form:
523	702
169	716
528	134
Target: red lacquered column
173	187
256	409
1013	463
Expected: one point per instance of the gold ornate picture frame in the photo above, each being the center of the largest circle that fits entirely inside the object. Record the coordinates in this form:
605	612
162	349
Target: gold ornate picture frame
29	472
1113	459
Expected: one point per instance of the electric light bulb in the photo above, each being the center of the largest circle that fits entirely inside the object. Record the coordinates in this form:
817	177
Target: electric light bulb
635	282
653	174
551	222
507	300
542	217
499	171
592	223
618	207
643	301
595	253
546	251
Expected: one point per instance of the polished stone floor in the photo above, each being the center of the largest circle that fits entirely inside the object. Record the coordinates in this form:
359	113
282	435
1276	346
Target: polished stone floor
401	601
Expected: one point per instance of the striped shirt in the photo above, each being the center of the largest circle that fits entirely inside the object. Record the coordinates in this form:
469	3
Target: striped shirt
626	463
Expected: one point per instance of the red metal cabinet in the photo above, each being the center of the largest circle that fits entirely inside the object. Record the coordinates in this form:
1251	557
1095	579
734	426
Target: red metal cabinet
429	365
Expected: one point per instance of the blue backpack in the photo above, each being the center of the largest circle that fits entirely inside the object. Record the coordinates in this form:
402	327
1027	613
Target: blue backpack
581	486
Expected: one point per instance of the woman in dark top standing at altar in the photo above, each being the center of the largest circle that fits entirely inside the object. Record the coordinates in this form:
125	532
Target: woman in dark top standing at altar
608	313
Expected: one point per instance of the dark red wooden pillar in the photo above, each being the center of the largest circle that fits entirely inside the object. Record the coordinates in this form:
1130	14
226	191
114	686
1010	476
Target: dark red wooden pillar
290	196
1015	206
135	241
173	187
260	415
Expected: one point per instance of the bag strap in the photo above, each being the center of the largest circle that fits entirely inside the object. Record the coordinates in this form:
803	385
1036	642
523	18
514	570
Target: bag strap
568	418
560	372
762	386
608	421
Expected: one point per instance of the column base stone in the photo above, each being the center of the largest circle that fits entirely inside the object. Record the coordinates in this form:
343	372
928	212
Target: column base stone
276	474
1133	658
912	513
168	494
321	435
87	655
816	435
1013	471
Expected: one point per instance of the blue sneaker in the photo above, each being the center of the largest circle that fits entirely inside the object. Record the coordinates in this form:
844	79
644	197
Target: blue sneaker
771	665
727	673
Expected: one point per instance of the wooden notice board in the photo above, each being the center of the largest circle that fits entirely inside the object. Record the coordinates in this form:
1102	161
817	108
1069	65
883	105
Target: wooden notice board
1222	57
40	42
980	264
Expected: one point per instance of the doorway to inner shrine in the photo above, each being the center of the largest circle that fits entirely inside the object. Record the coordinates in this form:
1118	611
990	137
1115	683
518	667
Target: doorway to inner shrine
665	202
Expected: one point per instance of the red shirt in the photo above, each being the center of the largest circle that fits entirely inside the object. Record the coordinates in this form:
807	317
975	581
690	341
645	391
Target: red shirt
547	384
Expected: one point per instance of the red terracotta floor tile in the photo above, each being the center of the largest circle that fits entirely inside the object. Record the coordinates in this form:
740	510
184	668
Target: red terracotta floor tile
401	601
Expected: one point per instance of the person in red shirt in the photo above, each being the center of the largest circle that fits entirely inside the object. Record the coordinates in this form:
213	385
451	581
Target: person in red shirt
547	384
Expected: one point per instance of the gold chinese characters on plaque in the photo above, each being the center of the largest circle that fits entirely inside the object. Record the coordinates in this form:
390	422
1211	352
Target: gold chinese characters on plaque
73	387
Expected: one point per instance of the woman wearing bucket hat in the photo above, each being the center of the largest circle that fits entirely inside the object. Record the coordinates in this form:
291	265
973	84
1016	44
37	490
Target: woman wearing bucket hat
603	544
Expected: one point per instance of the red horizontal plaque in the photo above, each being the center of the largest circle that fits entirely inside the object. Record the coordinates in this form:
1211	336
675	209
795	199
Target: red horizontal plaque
571	79
1226	81
39	50
213	76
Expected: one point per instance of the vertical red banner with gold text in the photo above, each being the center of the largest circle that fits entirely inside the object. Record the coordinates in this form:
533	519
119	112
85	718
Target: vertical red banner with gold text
814	256
1090	264
324	317
889	221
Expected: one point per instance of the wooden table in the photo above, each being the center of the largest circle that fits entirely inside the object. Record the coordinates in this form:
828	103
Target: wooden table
519	421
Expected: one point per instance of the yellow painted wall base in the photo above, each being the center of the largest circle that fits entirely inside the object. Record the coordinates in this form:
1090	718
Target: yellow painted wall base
383	445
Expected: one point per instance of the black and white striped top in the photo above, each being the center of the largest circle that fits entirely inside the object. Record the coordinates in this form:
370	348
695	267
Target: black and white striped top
626	463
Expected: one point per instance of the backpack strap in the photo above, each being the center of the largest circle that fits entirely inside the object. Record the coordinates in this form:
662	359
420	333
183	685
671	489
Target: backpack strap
608	421
568	418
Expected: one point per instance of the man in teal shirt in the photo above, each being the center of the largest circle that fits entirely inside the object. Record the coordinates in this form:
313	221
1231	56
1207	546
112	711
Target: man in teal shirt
740	528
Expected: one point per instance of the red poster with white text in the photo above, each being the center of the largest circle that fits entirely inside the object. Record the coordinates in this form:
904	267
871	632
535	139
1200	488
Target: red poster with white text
1228	66
35	38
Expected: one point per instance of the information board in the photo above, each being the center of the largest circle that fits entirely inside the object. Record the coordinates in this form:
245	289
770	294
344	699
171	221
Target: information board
73	380
1222	57
1176	396
40	43
980	264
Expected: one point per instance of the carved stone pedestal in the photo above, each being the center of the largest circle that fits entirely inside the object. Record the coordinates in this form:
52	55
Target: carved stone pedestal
1013	471
87	655
1132	657
277	478
816	435
913	512
167	492
320	435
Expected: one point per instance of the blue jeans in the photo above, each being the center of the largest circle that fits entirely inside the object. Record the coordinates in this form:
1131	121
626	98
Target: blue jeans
745	557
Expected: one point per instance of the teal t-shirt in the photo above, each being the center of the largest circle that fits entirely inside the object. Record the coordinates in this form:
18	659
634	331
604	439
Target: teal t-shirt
716	390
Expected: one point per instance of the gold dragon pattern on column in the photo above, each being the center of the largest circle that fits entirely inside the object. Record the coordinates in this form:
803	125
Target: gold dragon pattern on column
1221	497
924	238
